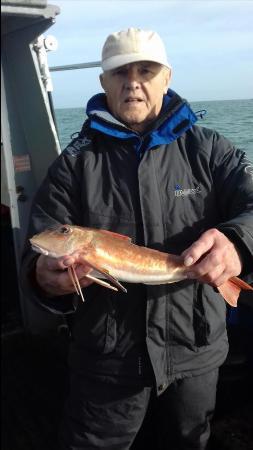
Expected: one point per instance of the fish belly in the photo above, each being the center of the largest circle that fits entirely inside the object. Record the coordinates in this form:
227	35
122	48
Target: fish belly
152	279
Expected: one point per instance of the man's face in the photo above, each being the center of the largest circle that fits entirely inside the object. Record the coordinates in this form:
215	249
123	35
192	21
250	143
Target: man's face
135	92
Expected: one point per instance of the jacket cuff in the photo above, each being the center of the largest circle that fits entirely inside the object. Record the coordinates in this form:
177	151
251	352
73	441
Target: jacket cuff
62	304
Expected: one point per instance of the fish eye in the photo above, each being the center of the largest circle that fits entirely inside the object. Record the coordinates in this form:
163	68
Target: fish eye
64	230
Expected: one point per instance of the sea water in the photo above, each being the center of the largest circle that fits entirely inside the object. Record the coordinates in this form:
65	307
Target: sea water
231	118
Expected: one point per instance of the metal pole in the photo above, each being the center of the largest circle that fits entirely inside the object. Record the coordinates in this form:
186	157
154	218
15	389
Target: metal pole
87	65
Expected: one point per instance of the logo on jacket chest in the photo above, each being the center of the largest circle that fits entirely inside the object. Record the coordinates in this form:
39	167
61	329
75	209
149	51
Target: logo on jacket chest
180	191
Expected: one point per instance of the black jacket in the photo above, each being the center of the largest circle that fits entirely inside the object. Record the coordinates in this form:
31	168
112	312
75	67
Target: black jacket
162	190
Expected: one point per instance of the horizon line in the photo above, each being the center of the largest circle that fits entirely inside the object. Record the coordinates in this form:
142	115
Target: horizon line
189	101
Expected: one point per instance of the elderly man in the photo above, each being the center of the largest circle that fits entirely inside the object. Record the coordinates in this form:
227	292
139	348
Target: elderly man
141	167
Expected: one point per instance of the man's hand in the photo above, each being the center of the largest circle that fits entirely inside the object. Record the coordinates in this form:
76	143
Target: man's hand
212	259
53	278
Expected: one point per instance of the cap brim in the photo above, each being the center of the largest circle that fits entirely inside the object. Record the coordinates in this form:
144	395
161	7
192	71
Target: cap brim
122	60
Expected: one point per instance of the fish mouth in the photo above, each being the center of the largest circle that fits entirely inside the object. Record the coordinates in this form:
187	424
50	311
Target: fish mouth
43	251
39	249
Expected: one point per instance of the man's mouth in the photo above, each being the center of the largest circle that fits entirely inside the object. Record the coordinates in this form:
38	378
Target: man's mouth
133	100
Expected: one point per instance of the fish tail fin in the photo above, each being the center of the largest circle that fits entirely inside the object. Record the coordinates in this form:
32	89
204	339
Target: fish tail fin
230	290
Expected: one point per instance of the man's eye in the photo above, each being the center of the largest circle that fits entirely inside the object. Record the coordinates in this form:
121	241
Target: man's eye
119	72
145	71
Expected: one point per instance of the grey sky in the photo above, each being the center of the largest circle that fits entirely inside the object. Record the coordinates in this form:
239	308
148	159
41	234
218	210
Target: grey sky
209	44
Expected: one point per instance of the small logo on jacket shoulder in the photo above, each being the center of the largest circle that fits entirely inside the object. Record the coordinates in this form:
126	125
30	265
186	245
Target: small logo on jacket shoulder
185	192
76	146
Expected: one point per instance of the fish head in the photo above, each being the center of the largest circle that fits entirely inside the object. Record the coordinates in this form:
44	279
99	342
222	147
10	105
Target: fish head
62	241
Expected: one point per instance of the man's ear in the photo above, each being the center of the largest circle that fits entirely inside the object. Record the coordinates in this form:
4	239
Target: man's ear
167	80
102	80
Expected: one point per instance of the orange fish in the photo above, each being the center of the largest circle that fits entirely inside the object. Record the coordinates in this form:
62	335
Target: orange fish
114	258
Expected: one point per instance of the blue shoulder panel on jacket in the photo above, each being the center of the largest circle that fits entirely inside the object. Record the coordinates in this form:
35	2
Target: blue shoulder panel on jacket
171	129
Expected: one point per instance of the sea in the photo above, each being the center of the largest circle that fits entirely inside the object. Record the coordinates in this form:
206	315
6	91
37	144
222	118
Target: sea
231	118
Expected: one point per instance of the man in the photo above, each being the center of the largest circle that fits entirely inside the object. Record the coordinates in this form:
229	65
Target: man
141	167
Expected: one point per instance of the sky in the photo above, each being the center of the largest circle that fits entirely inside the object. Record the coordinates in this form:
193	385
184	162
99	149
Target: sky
209	44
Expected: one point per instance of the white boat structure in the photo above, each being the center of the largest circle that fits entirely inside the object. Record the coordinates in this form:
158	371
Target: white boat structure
29	132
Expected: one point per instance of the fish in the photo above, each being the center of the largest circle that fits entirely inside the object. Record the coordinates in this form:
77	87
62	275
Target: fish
113	259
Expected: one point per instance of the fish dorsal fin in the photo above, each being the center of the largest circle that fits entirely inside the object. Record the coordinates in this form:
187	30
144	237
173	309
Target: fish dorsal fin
116	235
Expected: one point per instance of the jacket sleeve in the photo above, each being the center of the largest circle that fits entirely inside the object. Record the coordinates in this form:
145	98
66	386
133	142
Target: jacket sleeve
233	181
56	202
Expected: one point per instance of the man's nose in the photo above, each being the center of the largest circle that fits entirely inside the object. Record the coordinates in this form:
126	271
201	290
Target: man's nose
132	78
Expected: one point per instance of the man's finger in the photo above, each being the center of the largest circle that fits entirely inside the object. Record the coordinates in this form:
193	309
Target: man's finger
54	263
192	254
59	263
68	261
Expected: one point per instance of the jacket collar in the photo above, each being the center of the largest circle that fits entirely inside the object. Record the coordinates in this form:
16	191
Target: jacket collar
175	118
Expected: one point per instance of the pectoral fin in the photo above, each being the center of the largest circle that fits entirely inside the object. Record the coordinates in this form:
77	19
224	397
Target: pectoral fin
105	274
103	283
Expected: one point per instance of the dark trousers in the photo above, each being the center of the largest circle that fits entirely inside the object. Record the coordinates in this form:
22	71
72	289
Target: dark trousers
104	416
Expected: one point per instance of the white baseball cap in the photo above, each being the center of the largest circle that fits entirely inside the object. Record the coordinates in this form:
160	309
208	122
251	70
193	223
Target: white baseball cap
132	45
